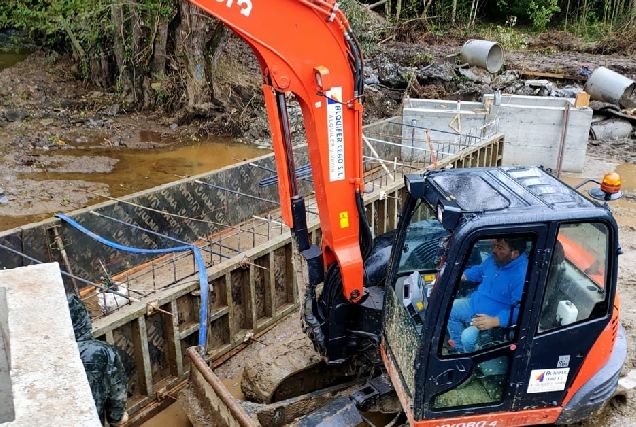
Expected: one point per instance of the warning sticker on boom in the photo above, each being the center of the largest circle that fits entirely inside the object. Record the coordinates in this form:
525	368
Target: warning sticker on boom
336	134
546	380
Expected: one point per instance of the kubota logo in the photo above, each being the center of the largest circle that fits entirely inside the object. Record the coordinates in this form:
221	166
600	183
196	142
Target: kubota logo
245	5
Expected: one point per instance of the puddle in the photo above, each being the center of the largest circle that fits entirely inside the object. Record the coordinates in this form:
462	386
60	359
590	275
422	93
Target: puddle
136	169
12	57
172	416
14	47
139	170
234	385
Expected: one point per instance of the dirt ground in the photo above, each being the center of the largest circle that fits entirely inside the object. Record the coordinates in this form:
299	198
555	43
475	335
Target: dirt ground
44	109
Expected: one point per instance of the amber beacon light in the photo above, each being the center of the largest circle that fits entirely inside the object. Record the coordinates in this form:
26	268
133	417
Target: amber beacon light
610	188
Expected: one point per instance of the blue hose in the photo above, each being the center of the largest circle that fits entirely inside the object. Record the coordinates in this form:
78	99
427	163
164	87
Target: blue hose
203	277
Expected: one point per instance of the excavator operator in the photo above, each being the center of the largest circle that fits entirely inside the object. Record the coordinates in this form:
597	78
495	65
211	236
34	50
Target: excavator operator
501	277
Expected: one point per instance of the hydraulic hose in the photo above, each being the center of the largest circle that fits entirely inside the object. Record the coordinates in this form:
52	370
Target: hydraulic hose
203	277
365	236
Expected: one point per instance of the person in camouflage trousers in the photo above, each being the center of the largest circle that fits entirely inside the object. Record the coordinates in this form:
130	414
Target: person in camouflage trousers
105	372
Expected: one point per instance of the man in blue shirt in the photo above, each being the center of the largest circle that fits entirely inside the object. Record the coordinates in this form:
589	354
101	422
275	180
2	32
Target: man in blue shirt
501	277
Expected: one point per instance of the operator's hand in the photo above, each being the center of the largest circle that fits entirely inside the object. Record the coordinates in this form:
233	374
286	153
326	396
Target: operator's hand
484	322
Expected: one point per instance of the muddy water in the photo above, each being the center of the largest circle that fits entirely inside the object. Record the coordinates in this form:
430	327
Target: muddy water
9	58
172	416
140	169
14	47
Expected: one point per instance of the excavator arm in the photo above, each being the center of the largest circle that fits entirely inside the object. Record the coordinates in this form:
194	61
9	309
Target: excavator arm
307	48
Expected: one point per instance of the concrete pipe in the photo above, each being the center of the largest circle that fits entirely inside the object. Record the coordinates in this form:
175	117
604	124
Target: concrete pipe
484	54
611	129
606	85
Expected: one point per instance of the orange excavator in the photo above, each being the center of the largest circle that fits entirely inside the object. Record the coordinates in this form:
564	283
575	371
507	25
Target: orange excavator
553	348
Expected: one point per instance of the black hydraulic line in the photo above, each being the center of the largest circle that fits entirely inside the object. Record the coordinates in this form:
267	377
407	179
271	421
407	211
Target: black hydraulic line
365	235
158	234
289	152
301	172
357	66
274	171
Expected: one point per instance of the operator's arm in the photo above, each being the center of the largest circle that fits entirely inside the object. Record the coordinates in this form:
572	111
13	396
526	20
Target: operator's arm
115	405
474	274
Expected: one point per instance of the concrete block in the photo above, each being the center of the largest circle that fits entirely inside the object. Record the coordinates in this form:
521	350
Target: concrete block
48	382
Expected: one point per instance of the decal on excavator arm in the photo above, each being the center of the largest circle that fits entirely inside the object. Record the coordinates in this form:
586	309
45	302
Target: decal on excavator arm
344	219
470	424
336	136
246	5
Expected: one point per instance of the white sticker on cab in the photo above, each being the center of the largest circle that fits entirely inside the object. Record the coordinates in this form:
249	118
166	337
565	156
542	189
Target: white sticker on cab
546	380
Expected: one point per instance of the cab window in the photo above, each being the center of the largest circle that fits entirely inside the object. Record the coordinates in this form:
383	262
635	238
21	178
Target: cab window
575	288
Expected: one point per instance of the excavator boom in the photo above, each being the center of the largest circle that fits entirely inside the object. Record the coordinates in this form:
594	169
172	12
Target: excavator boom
308	49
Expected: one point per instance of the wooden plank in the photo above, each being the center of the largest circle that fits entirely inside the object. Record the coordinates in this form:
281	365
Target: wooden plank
142	357
173	340
271	284
382	220
230	303
553	75
110	339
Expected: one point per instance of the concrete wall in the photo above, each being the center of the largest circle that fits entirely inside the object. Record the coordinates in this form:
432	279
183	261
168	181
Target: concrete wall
532	128
48	382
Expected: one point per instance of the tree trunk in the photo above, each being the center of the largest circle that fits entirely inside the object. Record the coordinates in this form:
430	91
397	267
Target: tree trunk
158	64
100	66
194	35
139	55
124	76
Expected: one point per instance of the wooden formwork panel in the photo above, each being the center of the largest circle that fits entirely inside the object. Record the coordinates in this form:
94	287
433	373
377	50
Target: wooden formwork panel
284	279
241	289
263	298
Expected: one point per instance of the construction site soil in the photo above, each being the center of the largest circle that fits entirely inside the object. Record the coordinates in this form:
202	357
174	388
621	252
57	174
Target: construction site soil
48	116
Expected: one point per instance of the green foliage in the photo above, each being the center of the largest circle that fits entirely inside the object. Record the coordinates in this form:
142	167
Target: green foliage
421	59
541	12
359	19
507	35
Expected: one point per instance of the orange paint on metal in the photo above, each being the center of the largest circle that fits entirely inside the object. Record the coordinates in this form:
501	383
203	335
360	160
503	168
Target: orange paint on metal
598	355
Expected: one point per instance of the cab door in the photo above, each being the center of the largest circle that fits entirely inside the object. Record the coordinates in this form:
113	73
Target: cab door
573	312
479	373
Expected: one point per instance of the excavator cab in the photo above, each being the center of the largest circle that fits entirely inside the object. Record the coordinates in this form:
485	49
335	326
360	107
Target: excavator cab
558	349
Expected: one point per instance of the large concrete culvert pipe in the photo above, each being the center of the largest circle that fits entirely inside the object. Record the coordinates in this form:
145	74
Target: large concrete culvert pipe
484	54
609	86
